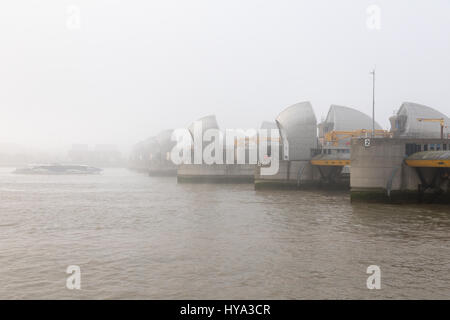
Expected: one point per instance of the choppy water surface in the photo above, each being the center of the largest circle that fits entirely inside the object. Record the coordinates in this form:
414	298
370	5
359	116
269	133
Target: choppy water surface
134	236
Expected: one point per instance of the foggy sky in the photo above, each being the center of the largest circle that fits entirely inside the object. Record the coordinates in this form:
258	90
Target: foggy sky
134	68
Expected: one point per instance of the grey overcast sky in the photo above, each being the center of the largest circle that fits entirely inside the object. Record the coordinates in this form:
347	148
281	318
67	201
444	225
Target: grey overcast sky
132	68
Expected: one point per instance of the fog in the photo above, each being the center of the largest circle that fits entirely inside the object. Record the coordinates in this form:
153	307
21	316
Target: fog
128	69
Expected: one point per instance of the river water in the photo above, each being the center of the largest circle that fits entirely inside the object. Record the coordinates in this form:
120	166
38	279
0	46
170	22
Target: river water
135	236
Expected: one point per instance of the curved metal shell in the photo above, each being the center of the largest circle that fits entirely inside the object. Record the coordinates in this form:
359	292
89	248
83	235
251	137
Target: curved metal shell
151	143
142	150
208	122
298	126
341	118
269	126
149	147
430	155
429	159
164	139
409	127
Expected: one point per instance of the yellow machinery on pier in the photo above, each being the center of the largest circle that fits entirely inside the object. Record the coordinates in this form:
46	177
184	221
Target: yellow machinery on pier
332	160
429	159
440	120
433	169
335	136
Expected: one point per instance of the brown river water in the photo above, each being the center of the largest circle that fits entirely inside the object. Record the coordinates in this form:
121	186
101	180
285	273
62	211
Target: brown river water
135	236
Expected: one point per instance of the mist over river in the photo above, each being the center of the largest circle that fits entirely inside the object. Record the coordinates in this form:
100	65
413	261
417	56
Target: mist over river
135	236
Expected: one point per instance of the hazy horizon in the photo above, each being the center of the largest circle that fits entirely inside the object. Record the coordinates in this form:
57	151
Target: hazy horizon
126	70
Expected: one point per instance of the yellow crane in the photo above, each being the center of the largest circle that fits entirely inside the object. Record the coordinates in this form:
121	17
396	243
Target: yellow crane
440	120
336	136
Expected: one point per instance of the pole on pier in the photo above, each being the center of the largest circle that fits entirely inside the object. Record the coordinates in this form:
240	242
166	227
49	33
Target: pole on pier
373	102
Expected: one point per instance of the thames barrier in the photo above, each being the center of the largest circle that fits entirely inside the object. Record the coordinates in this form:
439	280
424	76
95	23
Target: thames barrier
347	150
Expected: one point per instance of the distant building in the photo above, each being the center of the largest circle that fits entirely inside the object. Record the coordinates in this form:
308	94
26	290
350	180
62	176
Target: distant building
106	154
79	153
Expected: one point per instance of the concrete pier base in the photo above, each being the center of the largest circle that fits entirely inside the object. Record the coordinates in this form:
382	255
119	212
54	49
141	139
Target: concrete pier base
380	174
165	170
138	169
299	175
399	196
216	173
291	175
